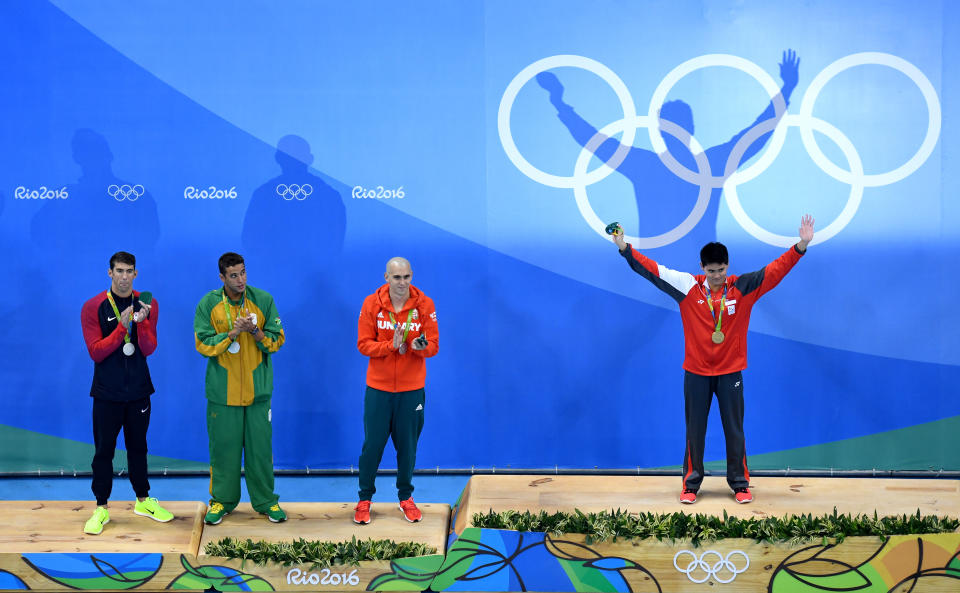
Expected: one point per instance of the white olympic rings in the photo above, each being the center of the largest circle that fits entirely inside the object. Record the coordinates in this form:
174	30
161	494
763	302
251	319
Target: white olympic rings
510	94
289	192
125	192
723	564
778	124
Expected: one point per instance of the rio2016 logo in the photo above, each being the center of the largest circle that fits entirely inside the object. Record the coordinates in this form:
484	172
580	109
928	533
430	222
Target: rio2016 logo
43	193
211	193
325	577
377	193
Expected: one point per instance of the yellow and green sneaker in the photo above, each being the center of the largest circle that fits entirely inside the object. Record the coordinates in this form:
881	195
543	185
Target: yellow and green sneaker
215	513
150	507
275	514
94	525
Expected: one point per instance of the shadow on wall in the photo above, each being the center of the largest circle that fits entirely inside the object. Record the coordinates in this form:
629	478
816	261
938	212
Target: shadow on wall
103	213
296	216
651	179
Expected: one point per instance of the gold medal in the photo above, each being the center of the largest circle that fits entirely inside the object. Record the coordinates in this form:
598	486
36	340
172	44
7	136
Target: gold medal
717	337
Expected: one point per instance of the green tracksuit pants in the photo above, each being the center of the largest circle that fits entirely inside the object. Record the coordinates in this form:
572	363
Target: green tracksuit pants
390	415
235	432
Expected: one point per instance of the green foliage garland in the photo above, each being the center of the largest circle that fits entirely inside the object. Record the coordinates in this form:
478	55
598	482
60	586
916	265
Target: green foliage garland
791	529
316	553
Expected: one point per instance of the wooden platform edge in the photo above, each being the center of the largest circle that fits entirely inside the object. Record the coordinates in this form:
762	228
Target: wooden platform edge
459	512
196	534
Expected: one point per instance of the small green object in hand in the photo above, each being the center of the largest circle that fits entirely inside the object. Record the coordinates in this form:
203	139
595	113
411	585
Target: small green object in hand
614	228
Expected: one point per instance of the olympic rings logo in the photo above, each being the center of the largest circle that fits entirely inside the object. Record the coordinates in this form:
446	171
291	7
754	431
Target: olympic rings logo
125	192
289	192
732	176
723	565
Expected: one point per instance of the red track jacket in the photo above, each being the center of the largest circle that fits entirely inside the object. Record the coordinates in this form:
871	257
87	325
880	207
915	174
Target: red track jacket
702	356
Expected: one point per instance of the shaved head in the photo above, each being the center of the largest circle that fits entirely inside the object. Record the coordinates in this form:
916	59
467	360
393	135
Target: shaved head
397	261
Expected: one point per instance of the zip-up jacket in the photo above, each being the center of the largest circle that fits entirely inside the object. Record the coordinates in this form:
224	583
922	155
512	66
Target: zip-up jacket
388	370
116	376
702	356
245	377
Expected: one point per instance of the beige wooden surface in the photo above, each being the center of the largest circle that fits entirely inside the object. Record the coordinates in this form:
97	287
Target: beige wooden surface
662	560
57	526
772	496
281	578
334	522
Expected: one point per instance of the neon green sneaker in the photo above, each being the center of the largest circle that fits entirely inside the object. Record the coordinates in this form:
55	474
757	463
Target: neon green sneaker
215	513
94	525
150	507
275	514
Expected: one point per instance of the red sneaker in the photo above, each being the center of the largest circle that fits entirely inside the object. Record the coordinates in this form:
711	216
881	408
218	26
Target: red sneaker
410	511
361	515
688	496
743	495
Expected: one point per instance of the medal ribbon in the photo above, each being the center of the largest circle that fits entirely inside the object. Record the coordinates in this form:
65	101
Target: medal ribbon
406	328
723	304
126	336
229	312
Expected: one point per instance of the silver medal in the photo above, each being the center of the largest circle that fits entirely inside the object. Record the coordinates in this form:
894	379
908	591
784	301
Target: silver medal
234	348
129	348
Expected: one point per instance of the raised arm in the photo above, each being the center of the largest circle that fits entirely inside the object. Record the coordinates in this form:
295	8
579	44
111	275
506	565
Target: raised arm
674	283
789	74
578	127
763	280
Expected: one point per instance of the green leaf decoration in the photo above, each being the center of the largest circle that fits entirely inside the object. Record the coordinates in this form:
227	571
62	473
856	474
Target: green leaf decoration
791	529
221	578
408	574
317	554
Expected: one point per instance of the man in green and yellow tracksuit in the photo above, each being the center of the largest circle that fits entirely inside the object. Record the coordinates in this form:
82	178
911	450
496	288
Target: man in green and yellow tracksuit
237	328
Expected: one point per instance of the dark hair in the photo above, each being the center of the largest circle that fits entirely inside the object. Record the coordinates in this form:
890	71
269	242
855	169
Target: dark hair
714	253
124	258
228	260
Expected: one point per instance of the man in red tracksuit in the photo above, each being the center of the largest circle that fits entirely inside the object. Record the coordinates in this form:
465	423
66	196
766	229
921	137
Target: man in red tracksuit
715	311
397	329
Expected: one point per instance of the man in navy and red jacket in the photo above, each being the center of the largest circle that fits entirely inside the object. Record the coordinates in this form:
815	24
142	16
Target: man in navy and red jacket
120	332
715	311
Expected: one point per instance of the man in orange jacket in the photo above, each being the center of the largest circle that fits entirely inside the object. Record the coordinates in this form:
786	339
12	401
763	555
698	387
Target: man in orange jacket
398	331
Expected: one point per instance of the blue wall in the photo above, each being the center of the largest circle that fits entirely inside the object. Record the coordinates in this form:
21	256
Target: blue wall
552	350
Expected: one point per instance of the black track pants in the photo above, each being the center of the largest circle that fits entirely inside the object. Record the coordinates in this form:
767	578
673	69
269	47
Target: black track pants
698	391
108	418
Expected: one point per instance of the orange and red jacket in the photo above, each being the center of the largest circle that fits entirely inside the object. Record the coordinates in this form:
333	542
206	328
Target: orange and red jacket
389	370
702	356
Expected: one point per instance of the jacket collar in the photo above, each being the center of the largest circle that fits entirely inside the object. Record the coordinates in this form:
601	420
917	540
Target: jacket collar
383	295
